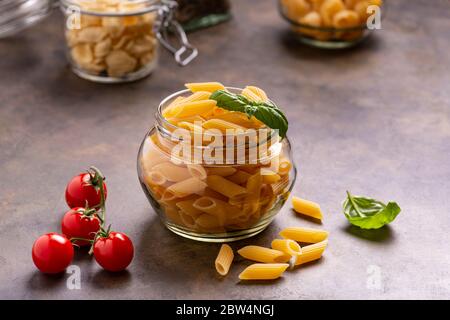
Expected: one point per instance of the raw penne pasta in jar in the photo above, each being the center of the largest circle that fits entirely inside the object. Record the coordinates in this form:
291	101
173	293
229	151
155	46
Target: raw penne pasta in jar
222	173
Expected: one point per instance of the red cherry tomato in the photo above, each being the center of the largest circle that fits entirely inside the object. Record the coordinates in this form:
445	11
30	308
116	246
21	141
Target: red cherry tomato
81	190
52	253
114	252
76	224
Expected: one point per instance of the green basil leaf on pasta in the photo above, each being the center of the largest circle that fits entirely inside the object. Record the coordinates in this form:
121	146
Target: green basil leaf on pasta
266	112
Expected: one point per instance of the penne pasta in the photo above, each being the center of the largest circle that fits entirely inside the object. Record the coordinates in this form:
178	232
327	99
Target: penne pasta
263	271
222	125
269	176
189	109
224	260
187	187
254	184
187	206
208	221
311	252
250	95
172	172
155	178
197	171
285	166
239	177
259	92
215	207
305	235
225	187
205	86
187	220
262	254
287	246
221	171
307	207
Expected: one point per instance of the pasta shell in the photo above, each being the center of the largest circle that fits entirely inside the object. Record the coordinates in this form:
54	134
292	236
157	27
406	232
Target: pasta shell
120	63
102	48
72	37
92	34
82	54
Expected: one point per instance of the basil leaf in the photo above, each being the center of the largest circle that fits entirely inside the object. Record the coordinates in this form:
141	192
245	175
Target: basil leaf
368	213
266	112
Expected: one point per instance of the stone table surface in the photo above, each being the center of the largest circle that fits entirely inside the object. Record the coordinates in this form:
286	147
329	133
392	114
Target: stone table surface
374	119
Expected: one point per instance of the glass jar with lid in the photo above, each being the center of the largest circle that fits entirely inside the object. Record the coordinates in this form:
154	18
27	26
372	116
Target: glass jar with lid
108	41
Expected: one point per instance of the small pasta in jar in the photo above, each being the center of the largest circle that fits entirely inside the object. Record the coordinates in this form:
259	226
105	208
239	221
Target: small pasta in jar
216	176
340	21
110	41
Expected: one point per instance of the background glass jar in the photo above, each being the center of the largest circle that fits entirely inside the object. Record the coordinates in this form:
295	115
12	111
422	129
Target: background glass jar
330	24
187	195
117	41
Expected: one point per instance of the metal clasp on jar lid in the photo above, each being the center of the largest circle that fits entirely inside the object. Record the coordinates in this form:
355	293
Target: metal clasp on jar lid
166	23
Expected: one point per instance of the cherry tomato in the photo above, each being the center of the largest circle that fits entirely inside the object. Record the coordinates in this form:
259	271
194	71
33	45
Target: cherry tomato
81	190
114	252
52	253
76	224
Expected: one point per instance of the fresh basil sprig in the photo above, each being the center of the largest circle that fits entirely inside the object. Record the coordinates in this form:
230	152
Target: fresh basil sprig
368	213
266	112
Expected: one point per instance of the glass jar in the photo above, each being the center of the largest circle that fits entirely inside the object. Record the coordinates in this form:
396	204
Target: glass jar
331	24
107	41
118	41
197	14
187	191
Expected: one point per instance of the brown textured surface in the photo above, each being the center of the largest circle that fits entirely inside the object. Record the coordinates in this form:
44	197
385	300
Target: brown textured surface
375	119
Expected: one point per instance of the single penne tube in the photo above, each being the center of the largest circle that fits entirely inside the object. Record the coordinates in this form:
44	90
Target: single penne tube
311	252
172	172
224	260
250	95
269	177
196	96
239	177
155	178
253	188
239	119
187	206
187	220
305	235
259	92
278	187
205	86
221	171
189	126
208	192
186	187
287	246
284	167
221	125
190	109
225	187
307	207
152	157
262	254
214	207
168	111
197	171
194	120
263	271
172	214
208	222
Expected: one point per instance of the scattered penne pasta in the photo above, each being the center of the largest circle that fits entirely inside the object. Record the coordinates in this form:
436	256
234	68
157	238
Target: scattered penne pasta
287	246
263	271
307	207
262	254
305	235
311	252
224	260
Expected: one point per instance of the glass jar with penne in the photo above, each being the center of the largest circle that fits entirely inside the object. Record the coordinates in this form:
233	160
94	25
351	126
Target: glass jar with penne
217	166
332	24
